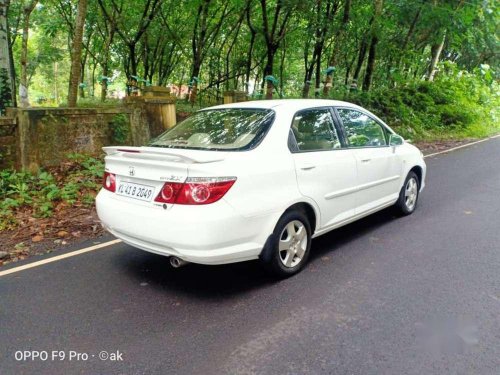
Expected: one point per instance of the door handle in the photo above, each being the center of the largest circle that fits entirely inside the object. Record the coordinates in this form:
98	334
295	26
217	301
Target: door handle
307	167
365	160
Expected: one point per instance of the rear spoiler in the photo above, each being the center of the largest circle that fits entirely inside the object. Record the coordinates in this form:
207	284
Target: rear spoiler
145	152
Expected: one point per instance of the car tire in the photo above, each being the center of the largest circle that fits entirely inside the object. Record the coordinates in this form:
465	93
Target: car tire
408	196
287	249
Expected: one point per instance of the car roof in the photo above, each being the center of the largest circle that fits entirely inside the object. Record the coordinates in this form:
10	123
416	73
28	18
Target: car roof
296	104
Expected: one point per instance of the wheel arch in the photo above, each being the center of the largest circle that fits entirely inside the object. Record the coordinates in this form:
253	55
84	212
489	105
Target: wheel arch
311	212
417	169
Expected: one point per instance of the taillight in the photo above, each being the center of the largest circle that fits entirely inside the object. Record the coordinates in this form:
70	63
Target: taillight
196	190
169	192
109	181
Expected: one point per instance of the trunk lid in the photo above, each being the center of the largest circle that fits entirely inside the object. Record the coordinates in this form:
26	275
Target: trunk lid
154	163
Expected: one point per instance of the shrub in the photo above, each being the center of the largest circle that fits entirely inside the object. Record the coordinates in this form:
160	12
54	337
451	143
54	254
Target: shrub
120	128
457	104
74	182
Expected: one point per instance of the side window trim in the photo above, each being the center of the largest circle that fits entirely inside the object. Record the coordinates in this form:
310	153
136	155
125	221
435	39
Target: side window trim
292	142
385	129
333	130
340	128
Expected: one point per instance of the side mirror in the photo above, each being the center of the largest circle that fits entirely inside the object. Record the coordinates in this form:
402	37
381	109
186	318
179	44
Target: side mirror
396	140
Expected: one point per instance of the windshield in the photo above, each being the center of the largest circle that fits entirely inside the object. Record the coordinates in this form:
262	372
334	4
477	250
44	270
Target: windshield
219	129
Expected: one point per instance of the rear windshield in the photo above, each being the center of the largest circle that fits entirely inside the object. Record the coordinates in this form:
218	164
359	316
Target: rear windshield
219	129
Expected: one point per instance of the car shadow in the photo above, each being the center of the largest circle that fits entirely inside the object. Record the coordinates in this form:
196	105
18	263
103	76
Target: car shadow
224	281
342	236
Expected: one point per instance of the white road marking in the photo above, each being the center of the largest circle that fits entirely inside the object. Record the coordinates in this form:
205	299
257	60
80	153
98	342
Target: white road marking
109	243
58	257
461	146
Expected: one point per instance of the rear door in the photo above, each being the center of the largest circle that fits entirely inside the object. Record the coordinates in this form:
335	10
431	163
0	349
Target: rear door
379	166
326	172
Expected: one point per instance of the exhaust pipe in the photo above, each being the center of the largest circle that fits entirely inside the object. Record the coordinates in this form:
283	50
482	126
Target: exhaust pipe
177	262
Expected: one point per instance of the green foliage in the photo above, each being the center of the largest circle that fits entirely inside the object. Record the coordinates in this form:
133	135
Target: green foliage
458	104
153	42
75	183
120	128
5	91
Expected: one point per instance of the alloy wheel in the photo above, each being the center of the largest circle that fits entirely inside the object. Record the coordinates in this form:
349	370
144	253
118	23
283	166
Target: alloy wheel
293	244
411	194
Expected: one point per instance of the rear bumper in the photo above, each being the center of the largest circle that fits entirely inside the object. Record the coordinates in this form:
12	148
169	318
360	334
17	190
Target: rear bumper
211	234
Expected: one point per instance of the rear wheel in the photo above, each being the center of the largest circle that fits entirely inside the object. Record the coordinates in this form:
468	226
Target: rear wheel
287	249
408	196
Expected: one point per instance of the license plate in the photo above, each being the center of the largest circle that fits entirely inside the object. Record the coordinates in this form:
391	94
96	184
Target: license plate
135	191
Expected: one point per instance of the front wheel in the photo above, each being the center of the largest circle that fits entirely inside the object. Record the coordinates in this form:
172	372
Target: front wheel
408	196
287	249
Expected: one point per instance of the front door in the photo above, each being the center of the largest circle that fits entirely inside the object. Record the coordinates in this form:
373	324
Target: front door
326	172
379	166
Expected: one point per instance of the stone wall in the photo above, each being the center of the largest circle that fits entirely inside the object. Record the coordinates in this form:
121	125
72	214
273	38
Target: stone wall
31	138
8	142
43	137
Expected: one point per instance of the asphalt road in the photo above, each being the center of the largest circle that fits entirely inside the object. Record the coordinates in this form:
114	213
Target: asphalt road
373	299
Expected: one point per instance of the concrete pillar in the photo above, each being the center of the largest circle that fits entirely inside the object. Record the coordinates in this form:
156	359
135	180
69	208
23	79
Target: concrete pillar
234	96
159	108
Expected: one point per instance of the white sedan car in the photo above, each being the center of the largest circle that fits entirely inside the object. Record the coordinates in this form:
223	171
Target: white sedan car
257	180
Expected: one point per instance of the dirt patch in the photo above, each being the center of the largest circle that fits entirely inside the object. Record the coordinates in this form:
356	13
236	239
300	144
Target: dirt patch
42	235
437	146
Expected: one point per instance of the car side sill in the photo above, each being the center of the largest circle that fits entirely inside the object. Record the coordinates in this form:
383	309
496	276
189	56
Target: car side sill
352	219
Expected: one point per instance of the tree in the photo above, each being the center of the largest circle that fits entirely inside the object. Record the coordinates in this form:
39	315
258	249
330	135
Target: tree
375	31
206	29
435	54
337	44
317	31
23	84
7	88
76	53
130	22
286	45
275	18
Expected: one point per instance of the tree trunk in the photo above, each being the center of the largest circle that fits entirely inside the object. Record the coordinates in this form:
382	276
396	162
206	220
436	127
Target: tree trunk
104	82
7	92
105	64
306	87
76	53
92	93
268	71
23	83
194	81
82	75
248	66
317	89
336	47
361	59
373	45
56	89
370	66
435	54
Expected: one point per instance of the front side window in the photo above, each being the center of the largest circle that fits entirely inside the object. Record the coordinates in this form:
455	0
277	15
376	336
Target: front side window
361	130
314	130
219	129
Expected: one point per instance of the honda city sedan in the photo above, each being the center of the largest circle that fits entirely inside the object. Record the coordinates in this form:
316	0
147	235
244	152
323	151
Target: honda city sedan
257	180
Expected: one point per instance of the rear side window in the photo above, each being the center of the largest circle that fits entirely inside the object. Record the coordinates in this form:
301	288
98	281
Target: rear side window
219	129
361	130
314	130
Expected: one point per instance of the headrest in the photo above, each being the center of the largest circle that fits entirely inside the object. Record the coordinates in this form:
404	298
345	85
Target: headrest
306	124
